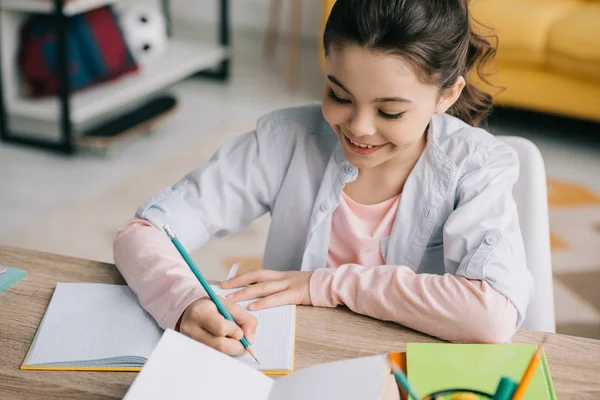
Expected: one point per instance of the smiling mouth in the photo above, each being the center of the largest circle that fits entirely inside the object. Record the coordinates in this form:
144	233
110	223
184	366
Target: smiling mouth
362	145
362	148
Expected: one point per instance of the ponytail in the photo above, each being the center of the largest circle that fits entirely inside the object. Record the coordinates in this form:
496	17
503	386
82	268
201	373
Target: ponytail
474	104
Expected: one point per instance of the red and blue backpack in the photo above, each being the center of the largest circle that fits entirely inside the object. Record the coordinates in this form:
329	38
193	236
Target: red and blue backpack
97	52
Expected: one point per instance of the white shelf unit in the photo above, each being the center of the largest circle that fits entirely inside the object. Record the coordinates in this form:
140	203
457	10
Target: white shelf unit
72	7
41	118
180	59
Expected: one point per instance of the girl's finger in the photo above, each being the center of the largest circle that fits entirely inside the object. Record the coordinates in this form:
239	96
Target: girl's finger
219	326
247	278
258	290
225	345
275	300
243	319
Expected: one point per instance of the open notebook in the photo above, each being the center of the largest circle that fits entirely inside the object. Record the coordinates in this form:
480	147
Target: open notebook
183	369
91	326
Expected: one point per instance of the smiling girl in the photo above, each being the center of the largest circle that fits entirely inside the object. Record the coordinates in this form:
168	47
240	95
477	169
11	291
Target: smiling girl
385	198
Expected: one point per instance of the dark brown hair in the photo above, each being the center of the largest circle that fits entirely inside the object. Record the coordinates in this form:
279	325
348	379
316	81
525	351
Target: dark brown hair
435	36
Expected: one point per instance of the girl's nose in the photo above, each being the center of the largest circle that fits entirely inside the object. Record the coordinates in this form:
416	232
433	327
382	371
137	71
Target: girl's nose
361	124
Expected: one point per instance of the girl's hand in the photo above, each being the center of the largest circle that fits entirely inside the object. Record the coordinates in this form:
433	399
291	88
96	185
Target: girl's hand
276	288
203	322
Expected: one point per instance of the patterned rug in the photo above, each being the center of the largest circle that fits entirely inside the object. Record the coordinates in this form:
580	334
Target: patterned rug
87	230
575	239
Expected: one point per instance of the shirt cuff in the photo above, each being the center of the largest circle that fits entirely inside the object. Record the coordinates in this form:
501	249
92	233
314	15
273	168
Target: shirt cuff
320	288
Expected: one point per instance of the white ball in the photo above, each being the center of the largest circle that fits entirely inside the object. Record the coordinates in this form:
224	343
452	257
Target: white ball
145	31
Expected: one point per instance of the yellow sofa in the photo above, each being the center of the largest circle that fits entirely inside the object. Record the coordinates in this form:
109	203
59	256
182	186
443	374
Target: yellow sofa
548	53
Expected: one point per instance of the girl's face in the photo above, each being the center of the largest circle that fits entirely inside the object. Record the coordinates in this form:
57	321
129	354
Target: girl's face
377	106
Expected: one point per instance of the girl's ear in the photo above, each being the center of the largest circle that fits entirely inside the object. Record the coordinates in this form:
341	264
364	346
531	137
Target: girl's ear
449	97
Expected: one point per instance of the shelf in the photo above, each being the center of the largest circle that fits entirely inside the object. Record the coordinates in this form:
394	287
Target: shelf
179	60
71	7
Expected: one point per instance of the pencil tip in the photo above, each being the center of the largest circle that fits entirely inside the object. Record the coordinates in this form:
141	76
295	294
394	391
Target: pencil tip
251	352
255	359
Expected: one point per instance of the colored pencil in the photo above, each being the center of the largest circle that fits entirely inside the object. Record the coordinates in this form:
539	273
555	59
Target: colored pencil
528	375
402	379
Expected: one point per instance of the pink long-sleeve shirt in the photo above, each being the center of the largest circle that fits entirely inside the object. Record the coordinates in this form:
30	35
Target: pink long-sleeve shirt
449	307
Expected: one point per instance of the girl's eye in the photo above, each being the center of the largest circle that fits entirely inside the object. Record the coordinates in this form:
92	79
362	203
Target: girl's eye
339	100
391	116
333	97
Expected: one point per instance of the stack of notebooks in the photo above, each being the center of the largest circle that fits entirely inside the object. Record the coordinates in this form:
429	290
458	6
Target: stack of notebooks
99	327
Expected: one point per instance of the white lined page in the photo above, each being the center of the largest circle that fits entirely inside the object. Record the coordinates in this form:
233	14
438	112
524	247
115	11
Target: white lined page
90	321
275	335
87	322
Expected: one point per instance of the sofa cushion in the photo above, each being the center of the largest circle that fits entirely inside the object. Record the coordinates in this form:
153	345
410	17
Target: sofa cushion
521	25
574	42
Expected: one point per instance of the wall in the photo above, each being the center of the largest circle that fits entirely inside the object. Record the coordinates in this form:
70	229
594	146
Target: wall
250	14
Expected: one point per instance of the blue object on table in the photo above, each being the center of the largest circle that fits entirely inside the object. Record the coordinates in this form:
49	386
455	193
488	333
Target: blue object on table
10	277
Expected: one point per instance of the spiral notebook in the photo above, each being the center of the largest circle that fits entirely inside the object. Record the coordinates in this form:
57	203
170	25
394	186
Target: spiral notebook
100	327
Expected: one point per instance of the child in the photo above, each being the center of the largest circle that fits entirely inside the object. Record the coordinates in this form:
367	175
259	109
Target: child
384	198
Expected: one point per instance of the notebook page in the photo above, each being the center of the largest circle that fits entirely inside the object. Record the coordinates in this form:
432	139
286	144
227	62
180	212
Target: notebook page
356	379
181	368
275	335
90	321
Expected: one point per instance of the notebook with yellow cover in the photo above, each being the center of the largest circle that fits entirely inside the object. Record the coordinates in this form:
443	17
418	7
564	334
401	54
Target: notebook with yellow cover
433	367
100	327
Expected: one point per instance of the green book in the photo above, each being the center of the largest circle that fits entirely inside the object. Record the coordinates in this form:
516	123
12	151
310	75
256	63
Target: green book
433	367
10	276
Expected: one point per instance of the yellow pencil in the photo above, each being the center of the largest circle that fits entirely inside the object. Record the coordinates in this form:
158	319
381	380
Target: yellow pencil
528	375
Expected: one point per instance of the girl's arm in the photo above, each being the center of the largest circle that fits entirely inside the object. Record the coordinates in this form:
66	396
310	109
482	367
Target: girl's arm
154	270
237	185
449	307
485	292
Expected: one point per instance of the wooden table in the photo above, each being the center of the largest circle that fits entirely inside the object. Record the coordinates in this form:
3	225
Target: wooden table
322	336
